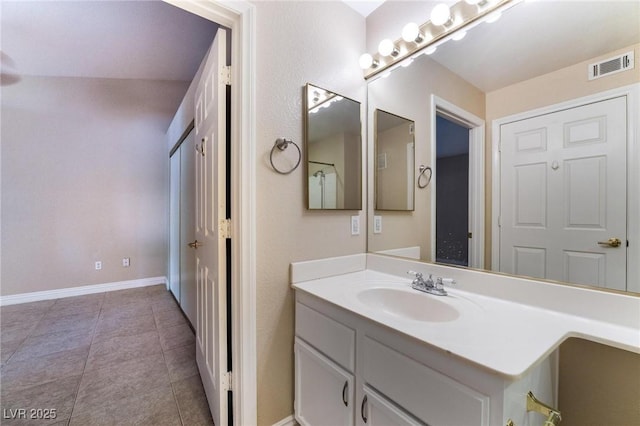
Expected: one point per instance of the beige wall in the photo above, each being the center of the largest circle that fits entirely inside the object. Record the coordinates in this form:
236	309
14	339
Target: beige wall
297	43
84	178
599	385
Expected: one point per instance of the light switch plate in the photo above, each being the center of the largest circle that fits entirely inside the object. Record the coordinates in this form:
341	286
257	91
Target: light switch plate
377	224
355	225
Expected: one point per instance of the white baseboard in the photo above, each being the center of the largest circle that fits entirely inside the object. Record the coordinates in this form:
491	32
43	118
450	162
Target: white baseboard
287	421
79	291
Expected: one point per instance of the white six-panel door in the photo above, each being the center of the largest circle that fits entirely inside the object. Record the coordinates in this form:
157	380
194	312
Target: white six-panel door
563	193
211	274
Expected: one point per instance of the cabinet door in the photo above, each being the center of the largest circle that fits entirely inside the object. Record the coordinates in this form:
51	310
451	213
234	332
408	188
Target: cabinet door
376	410
324	392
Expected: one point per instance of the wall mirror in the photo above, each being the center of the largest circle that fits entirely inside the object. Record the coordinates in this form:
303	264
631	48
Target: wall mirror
333	150
545	215
395	162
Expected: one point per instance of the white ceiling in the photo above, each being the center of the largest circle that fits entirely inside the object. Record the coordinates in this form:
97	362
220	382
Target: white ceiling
364	7
102	39
538	37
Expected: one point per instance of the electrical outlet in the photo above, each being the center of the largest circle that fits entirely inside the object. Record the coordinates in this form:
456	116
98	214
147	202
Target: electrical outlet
355	225
126	262
98	265
377	224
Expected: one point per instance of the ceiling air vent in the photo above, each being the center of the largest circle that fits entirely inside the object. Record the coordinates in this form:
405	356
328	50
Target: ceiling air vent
611	66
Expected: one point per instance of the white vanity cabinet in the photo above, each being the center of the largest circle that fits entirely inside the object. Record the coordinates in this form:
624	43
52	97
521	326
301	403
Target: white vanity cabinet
349	370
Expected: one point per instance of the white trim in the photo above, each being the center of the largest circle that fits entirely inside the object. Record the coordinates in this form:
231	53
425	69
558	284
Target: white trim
287	421
632	92
476	175
37	296
239	16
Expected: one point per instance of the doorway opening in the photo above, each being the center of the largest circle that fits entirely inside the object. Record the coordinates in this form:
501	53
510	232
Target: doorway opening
452	197
457	191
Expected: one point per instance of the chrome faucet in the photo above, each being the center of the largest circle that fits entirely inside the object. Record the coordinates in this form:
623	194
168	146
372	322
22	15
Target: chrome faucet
428	285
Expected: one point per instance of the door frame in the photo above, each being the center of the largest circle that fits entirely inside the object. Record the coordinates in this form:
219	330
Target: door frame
240	17
476	127
632	92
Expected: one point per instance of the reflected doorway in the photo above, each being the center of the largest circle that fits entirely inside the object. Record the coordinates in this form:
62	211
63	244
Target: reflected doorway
452	196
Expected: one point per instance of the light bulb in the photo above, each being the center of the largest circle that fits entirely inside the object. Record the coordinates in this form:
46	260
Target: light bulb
472	1
440	14
410	32
458	35
366	61
386	47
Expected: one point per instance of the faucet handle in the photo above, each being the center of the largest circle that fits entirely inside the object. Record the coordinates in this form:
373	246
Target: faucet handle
418	275
440	282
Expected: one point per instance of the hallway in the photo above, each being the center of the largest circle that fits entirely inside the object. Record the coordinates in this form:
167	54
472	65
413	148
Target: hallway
122	357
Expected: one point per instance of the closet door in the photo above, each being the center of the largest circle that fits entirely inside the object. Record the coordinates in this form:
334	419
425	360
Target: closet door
188	227
175	245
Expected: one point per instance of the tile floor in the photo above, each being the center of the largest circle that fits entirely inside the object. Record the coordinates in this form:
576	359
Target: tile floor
116	358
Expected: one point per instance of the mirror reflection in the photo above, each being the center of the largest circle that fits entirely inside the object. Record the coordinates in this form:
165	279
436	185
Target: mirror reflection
551	180
333	151
395	161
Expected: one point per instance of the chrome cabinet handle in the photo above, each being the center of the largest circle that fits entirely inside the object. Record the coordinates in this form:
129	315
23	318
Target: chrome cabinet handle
344	394
611	242
362	409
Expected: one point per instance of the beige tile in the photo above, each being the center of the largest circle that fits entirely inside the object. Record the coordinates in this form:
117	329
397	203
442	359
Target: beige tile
147	407
176	336
126	310
169	318
122	349
38	346
192	402
40	306
120	380
17	332
125	297
7	349
181	362
44	404
165	304
75	320
35	371
86	303
109	328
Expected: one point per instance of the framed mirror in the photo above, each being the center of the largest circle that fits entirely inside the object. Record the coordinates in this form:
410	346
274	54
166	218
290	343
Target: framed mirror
333	151
504	74
395	162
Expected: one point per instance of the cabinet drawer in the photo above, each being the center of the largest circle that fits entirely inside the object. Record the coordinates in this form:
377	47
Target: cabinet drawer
330	337
426	394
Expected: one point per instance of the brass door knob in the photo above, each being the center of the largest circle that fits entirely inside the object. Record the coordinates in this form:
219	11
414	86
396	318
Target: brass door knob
611	242
195	244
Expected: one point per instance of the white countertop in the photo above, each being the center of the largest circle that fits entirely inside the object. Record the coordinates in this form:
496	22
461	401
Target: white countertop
504	336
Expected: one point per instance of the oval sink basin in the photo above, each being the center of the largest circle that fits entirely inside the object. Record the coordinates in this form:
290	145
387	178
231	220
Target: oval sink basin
414	306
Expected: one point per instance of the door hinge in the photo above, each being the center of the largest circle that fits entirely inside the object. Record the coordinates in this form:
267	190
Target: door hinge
225	74
227	381
225	228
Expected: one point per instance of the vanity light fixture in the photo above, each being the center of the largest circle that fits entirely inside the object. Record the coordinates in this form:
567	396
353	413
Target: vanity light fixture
445	23
387	48
411	33
441	15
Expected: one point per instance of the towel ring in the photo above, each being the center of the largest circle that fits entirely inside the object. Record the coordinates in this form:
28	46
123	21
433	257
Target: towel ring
422	169
282	144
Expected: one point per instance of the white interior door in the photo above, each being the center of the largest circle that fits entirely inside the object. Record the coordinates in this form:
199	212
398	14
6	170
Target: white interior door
211	273
188	227
563	192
